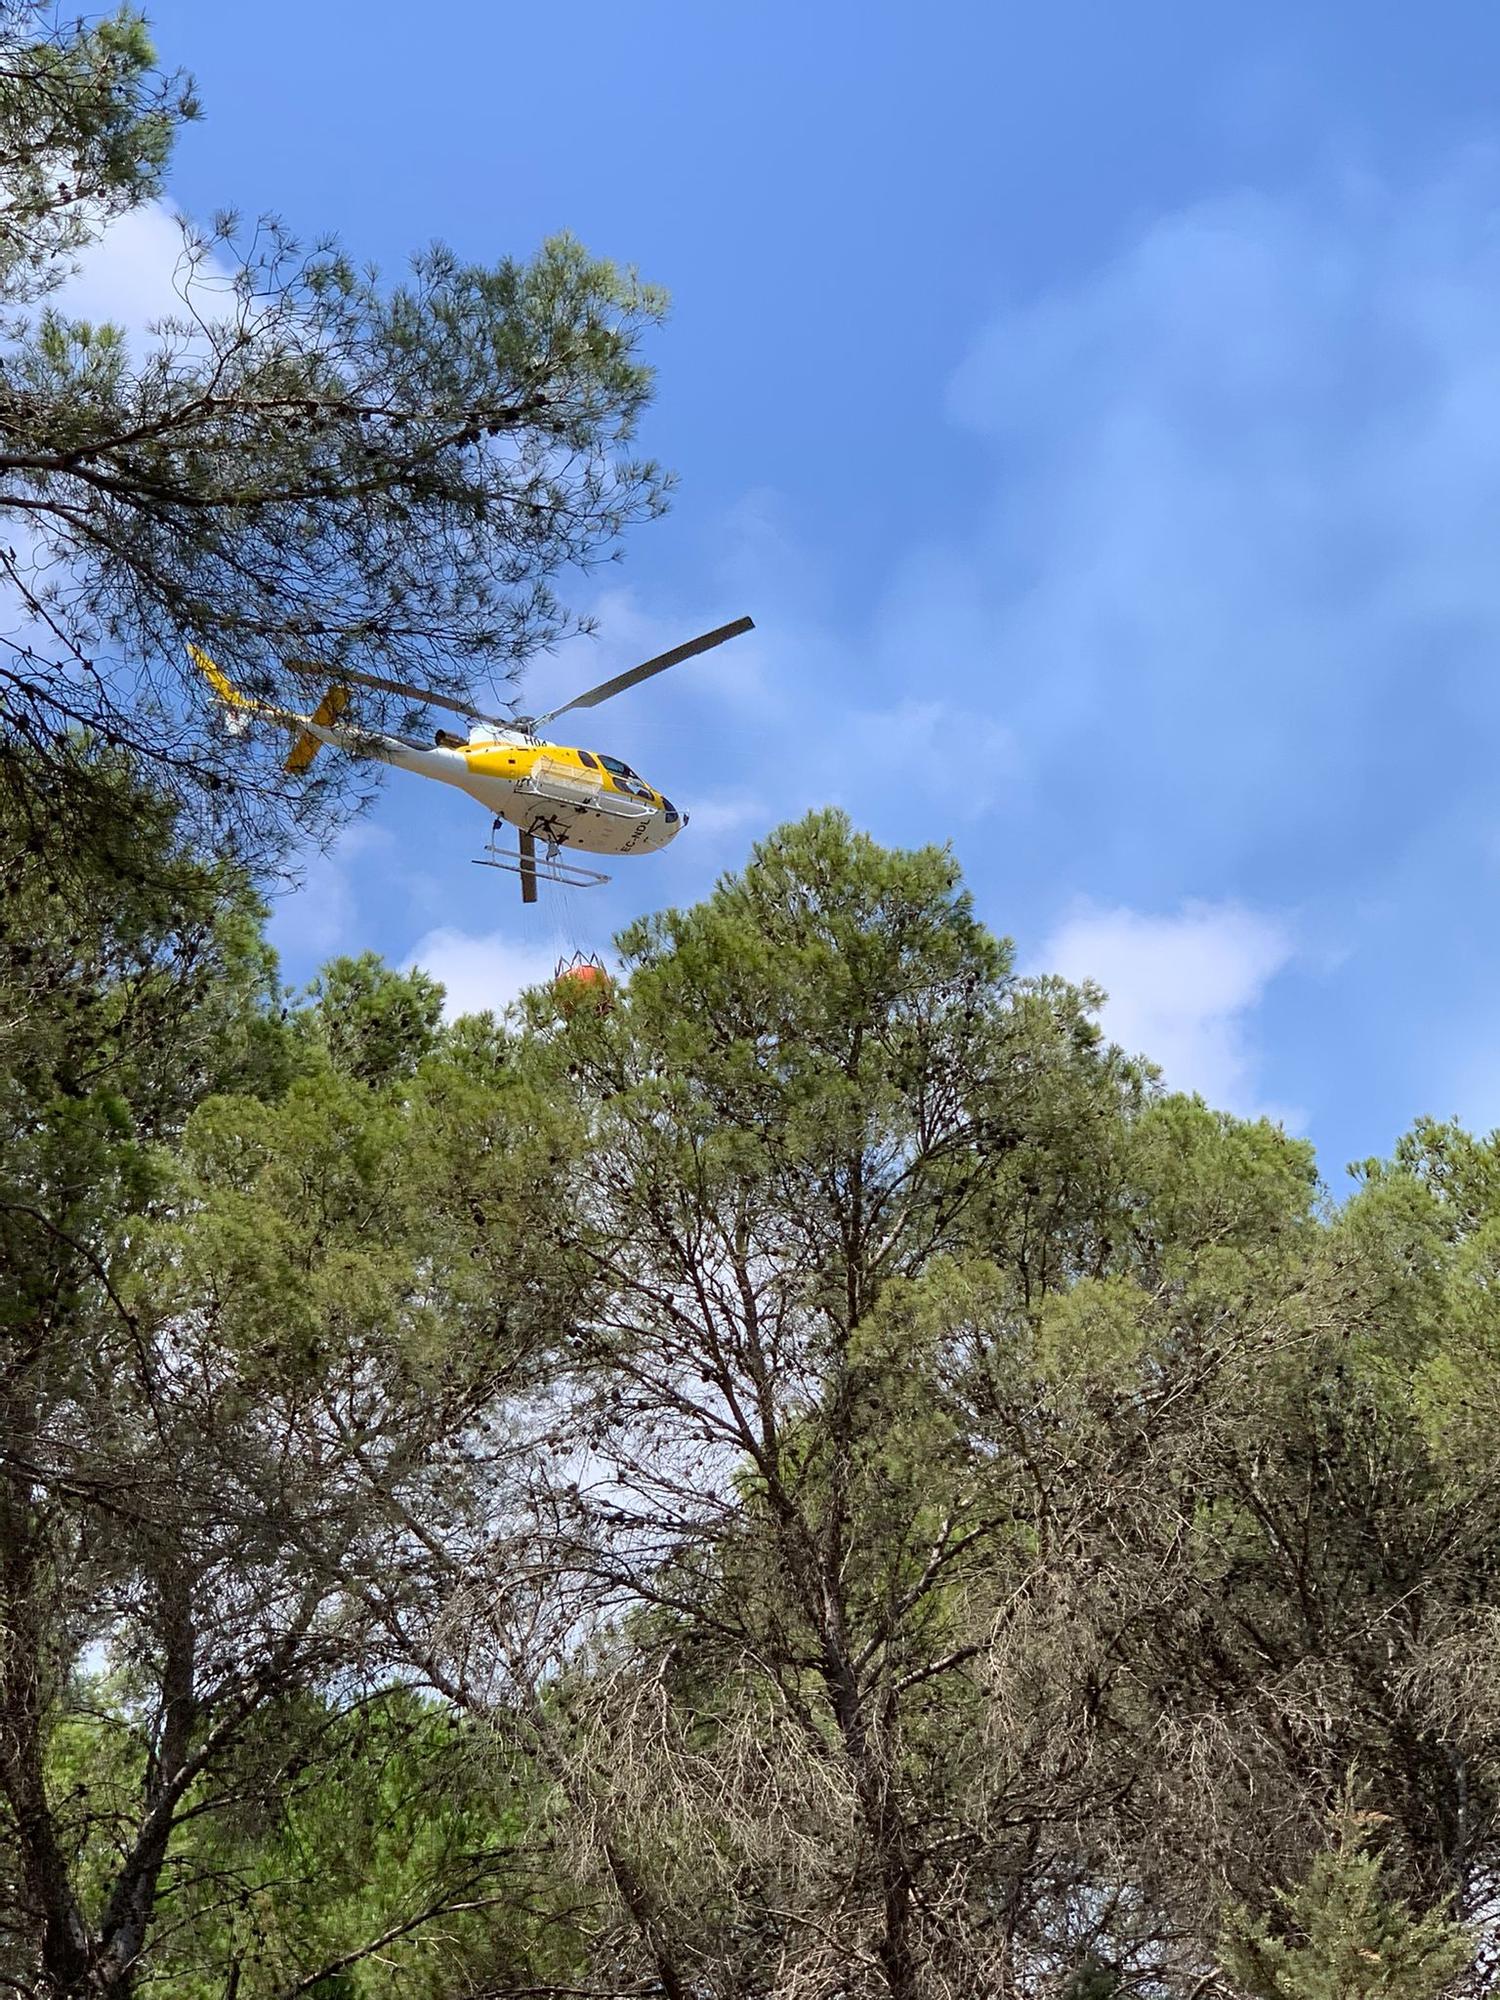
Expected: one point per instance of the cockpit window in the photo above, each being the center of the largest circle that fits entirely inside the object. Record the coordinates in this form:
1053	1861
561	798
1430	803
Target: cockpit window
587	757
627	780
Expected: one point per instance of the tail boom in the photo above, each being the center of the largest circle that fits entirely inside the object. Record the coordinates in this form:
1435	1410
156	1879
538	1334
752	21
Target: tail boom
307	744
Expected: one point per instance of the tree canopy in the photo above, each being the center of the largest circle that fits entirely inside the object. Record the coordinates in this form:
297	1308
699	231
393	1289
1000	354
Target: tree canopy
300	461
805	1473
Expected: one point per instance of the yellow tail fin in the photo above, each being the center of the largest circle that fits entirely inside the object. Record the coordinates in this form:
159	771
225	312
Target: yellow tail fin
307	746
222	686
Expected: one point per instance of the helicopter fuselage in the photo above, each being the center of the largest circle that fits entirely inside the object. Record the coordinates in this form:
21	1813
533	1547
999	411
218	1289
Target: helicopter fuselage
557	793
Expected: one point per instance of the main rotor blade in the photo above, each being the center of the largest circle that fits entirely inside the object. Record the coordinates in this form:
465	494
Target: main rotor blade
607	689
422	695
527	845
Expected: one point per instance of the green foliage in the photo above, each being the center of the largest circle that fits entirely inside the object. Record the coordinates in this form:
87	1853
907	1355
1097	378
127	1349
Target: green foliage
87	123
1096	1330
1077	1457
273	470
375	1025
821	1465
1340	1936
117	1010
270	1279
1208	1181
387	1820
825	1030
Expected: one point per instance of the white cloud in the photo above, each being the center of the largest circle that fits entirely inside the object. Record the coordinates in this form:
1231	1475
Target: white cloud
1238	572
318	915
1181	989
713	818
127	276
481	972
932	749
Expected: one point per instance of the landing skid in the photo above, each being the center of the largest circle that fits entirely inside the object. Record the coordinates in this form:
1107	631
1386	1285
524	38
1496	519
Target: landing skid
550	866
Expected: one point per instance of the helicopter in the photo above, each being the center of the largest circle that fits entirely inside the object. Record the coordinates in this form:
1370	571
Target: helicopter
550	793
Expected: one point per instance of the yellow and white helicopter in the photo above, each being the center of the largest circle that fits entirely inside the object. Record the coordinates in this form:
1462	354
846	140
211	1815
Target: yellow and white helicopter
550	793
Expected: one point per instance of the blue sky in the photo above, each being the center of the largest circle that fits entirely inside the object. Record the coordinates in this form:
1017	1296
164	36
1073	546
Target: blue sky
1098	409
